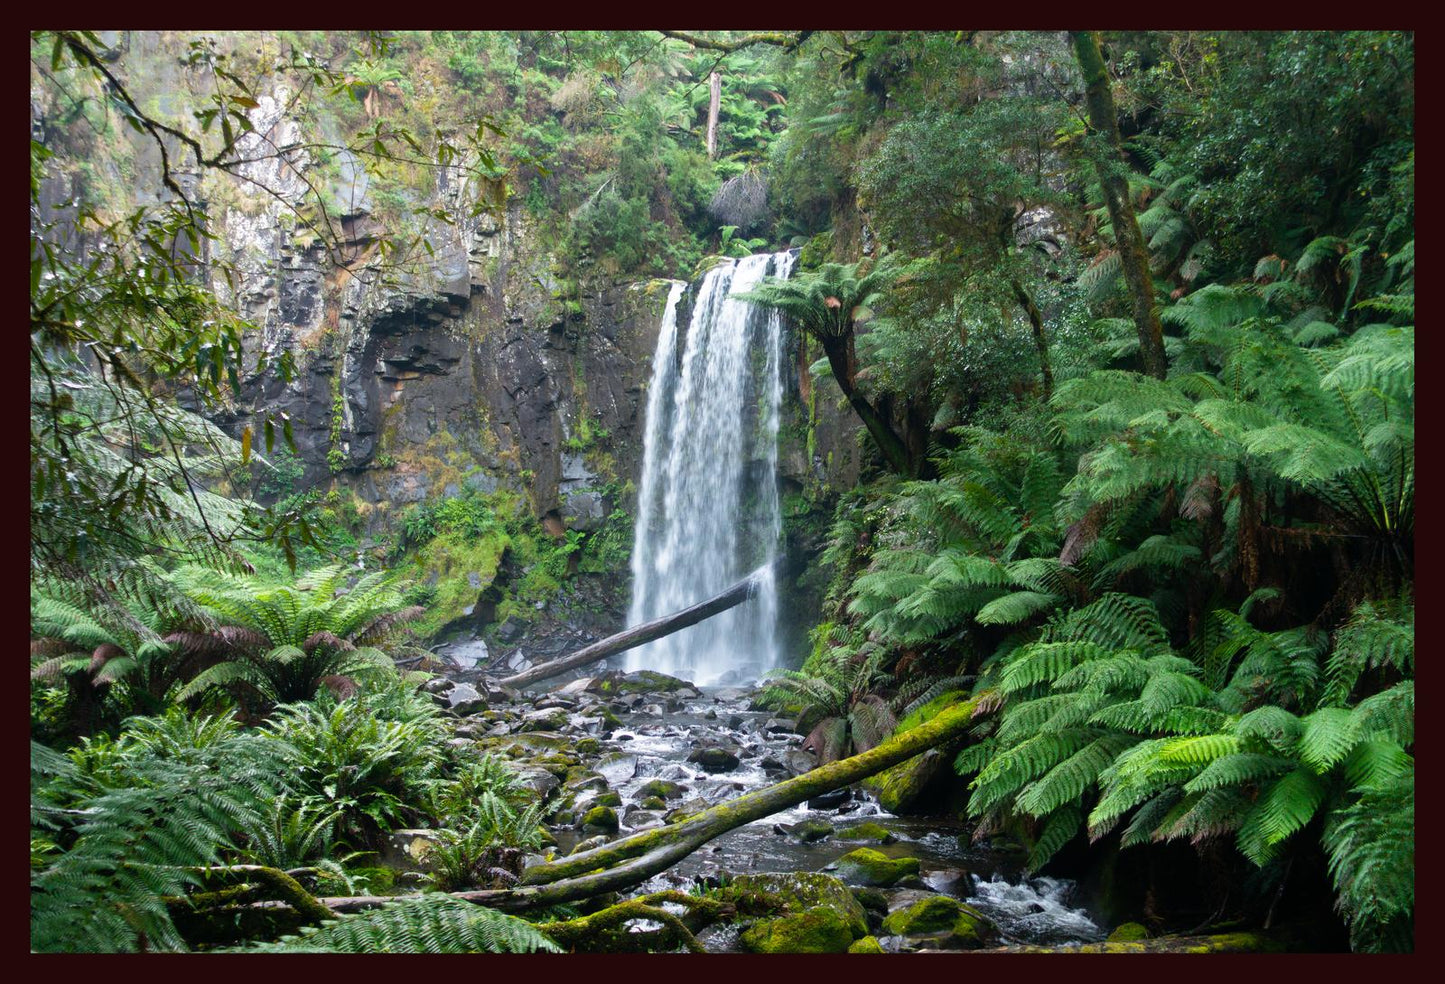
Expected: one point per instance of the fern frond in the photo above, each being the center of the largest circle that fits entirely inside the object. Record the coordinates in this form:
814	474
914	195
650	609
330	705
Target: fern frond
423	924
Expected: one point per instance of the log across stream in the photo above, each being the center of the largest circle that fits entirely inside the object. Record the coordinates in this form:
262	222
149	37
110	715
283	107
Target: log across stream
761	820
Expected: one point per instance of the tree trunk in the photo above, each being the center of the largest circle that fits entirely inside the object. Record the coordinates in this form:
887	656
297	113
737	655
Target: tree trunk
844	366
639	634
632	860
714	99
1104	120
1042	343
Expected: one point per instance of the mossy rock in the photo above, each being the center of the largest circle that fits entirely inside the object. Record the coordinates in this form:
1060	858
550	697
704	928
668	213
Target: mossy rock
652	803
609	798
600	819
868	944
580	778
818	912
588	746
818	931
640	682
686	811
866	866
945	921
875	833
551	720
871	899
799	891
588	844
558	765
810	831
714	759
1129	932
538	742
662	789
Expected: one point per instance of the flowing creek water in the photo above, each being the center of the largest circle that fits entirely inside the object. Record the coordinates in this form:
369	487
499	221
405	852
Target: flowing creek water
661	731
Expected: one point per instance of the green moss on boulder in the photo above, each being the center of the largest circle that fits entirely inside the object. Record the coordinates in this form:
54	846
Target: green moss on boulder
600	819
946	922
810	831
866	866
875	833
818	913
1128	932
868	944
662	789
820	931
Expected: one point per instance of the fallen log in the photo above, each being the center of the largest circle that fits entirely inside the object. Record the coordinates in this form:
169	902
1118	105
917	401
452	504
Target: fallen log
646	632
632	860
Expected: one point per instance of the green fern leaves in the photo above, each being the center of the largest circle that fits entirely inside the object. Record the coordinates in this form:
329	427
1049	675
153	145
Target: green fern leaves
423	924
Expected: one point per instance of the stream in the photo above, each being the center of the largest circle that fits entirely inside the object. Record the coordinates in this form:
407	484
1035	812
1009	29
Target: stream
658	733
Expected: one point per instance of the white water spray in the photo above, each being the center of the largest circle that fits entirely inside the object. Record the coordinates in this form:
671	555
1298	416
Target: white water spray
708	510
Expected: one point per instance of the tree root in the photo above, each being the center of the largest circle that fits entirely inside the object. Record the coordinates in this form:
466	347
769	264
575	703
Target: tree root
606	931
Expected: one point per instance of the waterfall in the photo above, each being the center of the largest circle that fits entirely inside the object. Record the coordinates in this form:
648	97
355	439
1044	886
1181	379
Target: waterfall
708	510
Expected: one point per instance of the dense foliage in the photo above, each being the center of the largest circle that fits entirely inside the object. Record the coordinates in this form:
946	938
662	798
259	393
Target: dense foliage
1182	595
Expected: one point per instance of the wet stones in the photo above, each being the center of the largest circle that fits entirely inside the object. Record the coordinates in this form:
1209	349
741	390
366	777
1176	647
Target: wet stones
662	789
714	759
873	833
830	800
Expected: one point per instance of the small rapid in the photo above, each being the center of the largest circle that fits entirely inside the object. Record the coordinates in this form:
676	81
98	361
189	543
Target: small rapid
656	740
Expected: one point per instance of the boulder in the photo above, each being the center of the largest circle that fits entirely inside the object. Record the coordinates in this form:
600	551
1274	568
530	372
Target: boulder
830	800
662	789
714	759
465	699
818	913
811	831
1129	932
406	850
866	866
868	944
548	719
600	820
943	923
873	833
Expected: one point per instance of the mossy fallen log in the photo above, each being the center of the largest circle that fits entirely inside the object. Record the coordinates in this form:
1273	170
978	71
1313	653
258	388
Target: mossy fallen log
632	860
1242	942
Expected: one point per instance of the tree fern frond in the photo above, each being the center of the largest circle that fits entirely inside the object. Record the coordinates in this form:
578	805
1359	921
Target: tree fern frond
422	924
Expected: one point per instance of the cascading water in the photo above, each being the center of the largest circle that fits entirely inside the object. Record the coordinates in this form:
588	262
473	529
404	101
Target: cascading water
708	509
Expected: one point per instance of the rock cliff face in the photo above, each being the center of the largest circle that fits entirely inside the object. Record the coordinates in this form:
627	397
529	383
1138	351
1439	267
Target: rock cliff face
461	361
475	369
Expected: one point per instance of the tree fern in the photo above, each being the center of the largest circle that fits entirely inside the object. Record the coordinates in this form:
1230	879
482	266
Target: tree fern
1371	847
423	924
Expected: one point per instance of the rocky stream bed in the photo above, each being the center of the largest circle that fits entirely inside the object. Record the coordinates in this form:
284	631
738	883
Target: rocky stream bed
615	754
